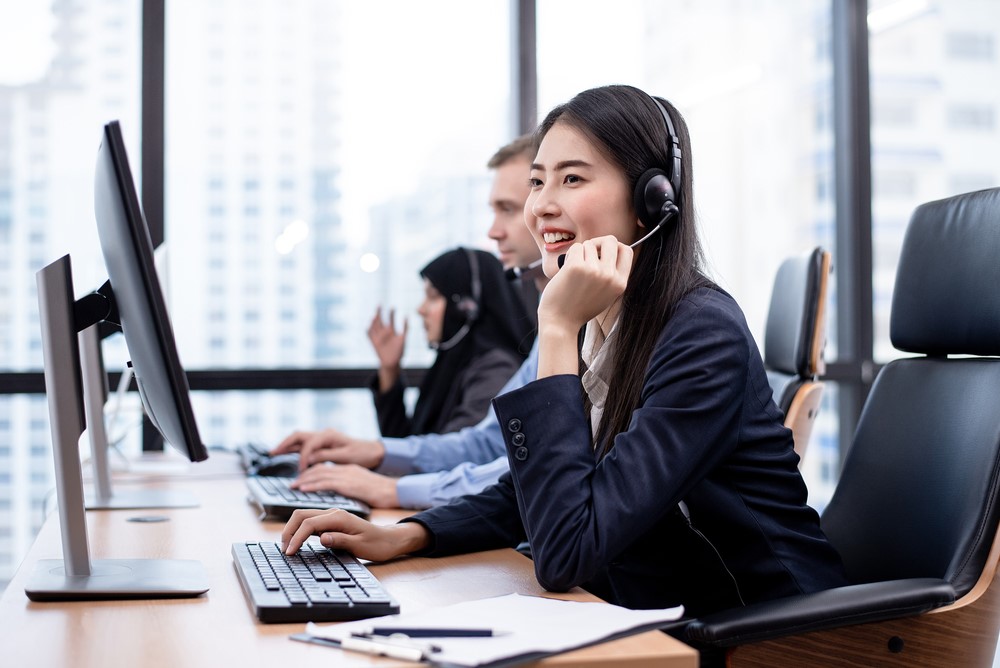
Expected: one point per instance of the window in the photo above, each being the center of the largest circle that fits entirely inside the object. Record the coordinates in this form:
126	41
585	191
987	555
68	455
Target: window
970	46
965	182
75	68
894	113
972	117
890	184
951	144
291	138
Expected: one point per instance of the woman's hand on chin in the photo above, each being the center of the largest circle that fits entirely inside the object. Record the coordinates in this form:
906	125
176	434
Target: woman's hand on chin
592	278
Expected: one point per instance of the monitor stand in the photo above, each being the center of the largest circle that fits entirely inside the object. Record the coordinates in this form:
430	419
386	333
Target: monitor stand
103	497
76	576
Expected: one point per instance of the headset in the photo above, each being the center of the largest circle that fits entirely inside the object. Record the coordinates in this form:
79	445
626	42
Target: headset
654	198
467	305
657	191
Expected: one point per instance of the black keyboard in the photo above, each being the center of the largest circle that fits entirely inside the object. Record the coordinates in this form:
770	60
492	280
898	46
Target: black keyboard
276	500
250	454
315	585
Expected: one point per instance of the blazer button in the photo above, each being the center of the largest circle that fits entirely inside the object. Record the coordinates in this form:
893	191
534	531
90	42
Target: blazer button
518	438
521	454
514	426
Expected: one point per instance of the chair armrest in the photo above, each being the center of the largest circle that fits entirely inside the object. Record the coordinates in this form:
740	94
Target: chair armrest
832	608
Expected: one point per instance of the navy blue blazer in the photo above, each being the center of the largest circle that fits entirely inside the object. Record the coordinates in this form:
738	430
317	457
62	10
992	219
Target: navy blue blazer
706	432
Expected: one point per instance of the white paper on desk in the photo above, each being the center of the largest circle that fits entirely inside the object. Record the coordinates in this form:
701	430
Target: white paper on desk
535	627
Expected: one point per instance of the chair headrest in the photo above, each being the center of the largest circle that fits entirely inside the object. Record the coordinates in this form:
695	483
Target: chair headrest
947	294
794	315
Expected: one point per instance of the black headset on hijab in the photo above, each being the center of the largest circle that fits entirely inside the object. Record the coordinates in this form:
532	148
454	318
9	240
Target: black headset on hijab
467	305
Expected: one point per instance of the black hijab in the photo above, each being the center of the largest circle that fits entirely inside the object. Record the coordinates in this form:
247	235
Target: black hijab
473	324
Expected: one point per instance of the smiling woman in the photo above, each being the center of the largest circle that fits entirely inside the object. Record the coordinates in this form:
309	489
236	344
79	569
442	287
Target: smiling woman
675	479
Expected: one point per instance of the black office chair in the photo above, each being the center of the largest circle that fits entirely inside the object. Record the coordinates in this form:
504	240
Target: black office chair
915	512
794	339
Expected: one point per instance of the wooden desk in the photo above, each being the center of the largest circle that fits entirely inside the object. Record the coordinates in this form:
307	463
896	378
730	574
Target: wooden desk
218	628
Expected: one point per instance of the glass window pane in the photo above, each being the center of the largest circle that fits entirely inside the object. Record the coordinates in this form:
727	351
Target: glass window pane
754	82
301	139
820	464
65	70
27	488
318	154
935	120
269	416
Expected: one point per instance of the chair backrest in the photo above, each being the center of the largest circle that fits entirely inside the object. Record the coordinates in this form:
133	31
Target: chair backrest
919	494
794	339
794	336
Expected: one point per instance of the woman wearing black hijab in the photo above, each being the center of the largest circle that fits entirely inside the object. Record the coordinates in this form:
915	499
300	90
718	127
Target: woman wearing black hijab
482	331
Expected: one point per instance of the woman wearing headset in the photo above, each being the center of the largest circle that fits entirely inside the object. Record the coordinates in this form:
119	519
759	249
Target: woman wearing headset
479	326
663	474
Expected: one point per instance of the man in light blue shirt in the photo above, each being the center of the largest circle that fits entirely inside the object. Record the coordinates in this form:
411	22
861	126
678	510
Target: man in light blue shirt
408	457
431	469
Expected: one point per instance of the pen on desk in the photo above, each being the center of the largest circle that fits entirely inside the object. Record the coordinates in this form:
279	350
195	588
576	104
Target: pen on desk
431	632
370	646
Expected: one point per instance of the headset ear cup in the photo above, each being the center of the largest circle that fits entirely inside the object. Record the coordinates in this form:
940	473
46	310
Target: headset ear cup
468	307
653	196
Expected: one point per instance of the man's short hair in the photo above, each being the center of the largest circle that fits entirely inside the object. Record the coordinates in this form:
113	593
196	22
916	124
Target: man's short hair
523	146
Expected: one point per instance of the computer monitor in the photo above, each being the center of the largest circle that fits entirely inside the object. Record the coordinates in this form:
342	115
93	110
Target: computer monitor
128	254
132	298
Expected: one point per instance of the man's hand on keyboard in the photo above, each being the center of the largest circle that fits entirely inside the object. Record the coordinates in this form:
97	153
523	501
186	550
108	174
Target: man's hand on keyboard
375	489
340	530
330	445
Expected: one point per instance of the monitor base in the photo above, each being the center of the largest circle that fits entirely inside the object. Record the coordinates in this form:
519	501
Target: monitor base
118	579
137	499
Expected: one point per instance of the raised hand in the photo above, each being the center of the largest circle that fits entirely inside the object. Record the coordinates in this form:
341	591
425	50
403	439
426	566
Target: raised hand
388	344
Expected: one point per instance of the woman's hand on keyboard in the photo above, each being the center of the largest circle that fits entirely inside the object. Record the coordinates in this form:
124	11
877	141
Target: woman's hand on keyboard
375	489
340	530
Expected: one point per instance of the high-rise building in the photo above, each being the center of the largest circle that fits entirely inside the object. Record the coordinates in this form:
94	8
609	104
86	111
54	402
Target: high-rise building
253	205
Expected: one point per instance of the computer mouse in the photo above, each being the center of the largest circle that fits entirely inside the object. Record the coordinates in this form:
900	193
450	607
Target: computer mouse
284	466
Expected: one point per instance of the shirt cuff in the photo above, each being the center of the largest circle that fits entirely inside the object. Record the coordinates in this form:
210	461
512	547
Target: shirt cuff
399	455
414	491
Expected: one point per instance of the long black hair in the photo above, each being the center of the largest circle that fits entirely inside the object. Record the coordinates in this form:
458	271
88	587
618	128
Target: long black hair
624	124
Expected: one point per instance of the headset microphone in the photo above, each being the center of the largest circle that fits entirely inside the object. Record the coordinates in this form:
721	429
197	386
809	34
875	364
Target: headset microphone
532	271
669	211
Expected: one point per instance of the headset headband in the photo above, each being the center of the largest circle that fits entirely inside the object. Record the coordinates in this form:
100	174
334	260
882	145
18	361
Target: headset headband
673	148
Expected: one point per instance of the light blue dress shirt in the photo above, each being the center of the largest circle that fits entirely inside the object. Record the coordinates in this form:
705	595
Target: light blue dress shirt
436	468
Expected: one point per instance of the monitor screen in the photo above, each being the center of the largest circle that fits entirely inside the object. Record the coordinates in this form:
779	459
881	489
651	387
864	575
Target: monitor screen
128	258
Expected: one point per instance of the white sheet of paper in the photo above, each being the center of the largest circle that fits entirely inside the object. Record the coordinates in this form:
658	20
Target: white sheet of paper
531	625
